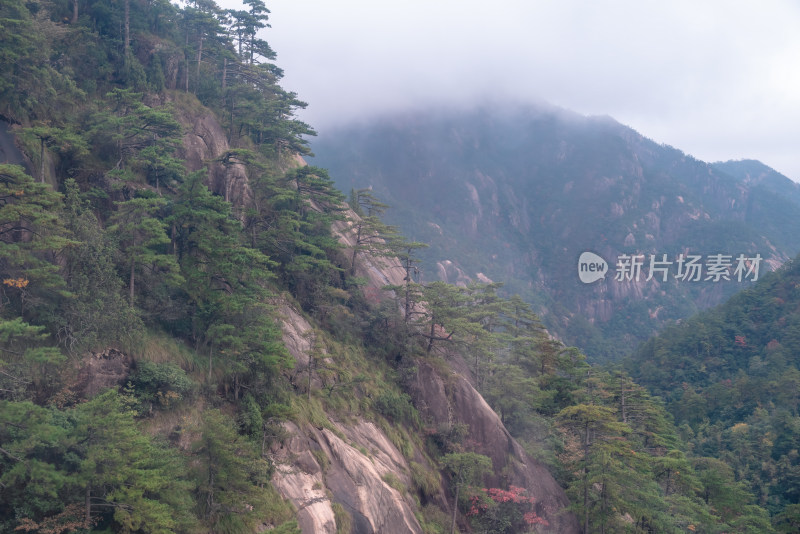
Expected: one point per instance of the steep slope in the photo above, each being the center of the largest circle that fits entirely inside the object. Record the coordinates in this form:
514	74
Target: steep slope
533	188
358	480
360	460
185	346
754	173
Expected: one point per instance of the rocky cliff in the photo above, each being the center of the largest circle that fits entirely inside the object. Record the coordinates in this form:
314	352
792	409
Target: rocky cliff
451	399
347	464
354	464
348	470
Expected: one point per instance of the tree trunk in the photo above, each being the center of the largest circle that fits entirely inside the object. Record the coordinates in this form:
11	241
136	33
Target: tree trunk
41	159
87	519
224	78
408	269
210	494
455	509
199	60
430	340
74	12
126	44
133	279
186	58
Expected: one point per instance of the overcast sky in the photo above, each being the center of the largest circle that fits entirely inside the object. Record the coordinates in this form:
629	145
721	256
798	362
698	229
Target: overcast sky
717	79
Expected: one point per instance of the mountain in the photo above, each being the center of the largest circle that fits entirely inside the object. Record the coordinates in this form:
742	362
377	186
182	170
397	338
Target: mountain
756	174
198	334
518	193
187	343
730	378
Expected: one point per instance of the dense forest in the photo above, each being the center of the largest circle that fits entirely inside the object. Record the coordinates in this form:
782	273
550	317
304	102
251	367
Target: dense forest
729	377
119	246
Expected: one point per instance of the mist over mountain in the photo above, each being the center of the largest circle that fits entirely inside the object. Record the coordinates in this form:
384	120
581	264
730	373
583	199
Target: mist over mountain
756	174
199	334
517	193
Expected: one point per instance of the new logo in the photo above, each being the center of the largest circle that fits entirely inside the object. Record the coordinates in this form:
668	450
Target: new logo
591	267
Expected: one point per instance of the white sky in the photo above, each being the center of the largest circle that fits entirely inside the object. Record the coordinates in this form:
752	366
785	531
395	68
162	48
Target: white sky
717	79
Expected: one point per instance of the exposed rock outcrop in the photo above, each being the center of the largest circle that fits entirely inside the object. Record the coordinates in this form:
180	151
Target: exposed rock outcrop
101	370
449	272
377	271
358	461
452	399
204	143
358	458
347	476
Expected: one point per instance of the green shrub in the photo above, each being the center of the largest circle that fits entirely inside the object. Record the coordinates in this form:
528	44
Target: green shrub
434	520
160	384
397	407
344	521
250	417
394	482
425	480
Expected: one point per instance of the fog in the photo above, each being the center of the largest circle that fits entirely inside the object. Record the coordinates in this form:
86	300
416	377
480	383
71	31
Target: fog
718	80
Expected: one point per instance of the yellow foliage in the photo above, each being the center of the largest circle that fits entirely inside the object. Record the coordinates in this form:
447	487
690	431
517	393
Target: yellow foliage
19	283
165	399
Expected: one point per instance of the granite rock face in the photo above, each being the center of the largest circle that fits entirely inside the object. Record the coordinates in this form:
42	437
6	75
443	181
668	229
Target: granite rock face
359	458
453	399
357	461
205	146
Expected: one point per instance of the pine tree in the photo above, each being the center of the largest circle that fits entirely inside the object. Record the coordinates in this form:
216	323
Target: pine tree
371	234
143	238
466	469
32	236
229	476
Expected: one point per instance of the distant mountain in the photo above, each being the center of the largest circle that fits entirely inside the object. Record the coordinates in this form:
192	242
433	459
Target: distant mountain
516	194
756	174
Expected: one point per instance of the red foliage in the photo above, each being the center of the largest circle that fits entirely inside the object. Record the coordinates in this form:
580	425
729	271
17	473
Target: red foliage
513	495
740	341
532	519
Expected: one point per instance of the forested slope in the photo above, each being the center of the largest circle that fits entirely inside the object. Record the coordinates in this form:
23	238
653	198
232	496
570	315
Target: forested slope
730	378
186	346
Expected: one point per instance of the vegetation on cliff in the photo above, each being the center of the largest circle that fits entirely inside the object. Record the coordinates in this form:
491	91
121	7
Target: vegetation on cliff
143	376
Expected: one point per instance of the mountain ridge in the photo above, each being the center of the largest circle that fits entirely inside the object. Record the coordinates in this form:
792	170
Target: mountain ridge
535	187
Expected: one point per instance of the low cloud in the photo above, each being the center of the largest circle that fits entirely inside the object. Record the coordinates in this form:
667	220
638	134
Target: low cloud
715	79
